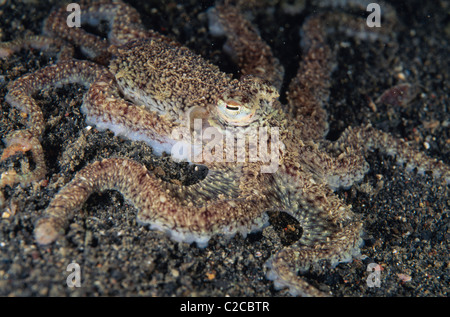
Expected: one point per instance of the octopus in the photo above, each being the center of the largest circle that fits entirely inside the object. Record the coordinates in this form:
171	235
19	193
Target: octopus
259	154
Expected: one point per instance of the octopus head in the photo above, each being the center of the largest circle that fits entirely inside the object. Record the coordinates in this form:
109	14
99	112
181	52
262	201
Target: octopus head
245	102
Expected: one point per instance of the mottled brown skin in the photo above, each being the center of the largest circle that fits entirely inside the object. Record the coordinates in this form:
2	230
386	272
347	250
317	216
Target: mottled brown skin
177	79
234	196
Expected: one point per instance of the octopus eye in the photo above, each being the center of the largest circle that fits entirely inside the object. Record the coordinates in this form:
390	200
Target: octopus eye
232	108
234	113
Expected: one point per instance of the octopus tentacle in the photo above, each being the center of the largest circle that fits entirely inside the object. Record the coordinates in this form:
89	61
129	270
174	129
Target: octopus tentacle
309	90
357	27
245	45
21	91
302	197
47	44
184	221
336	169
125	25
368	138
22	141
340	171
283	266
330	231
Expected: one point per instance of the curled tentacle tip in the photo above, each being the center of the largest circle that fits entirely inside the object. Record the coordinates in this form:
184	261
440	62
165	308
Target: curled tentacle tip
45	232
